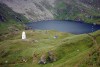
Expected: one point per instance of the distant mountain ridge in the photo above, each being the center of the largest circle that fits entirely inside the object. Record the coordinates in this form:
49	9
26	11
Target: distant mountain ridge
79	10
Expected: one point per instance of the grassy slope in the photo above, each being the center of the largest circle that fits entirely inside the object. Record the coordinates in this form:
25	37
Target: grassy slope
72	10
10	19
70	49
10	22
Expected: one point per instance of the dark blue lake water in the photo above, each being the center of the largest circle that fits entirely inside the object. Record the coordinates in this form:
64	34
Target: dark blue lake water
64	26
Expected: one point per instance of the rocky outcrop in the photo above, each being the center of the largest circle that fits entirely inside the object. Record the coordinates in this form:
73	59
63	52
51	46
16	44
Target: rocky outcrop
2	19
51	56
47	58
42	59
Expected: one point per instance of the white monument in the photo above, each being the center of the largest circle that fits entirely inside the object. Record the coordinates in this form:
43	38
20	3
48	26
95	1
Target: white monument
23	35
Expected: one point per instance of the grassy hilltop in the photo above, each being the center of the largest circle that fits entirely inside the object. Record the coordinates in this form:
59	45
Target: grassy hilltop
70	50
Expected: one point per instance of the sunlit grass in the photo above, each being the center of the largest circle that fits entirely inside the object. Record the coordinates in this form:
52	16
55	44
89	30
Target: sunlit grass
70	49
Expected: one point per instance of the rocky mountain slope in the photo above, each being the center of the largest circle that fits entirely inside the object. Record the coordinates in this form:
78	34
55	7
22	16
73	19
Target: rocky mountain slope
10	21
80	10
94	3
32	9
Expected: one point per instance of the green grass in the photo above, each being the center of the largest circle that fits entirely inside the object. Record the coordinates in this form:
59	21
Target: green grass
9	18
10	21
70	50
73	11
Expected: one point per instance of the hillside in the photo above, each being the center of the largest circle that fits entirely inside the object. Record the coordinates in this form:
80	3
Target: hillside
32	9
10	21
94	3
48	48
79	10
69	50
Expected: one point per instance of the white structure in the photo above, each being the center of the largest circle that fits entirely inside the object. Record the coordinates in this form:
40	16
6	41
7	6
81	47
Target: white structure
23	35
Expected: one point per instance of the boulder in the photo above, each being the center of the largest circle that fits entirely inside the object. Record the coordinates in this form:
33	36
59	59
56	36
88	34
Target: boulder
47	58
51	56
42	59
24	59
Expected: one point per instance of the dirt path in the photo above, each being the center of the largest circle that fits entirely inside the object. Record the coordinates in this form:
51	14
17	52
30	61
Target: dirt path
94	39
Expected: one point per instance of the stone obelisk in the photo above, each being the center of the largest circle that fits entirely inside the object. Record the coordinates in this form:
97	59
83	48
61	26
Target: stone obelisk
23	35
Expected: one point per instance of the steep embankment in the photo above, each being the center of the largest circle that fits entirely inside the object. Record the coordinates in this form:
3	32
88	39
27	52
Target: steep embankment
81	52
70	50
80	10
32	9
10	21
